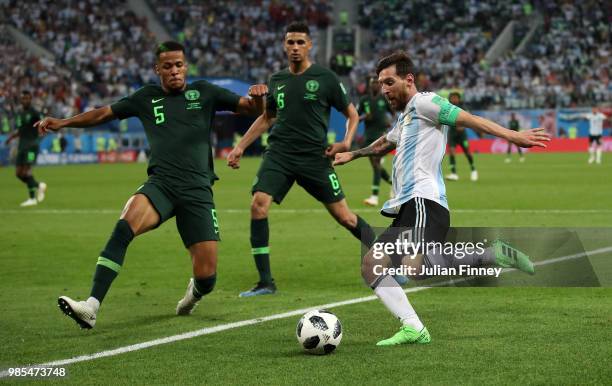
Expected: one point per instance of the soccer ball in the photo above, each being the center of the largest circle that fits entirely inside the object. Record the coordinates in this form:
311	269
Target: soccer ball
319	332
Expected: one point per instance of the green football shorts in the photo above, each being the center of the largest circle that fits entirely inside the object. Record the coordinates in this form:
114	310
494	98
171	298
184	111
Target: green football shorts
193	206
315	174
458	138
27	156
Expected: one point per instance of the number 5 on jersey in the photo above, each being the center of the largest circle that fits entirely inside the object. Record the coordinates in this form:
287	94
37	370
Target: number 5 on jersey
159	114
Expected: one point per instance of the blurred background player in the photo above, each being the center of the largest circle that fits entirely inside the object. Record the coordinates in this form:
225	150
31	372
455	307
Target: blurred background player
298	106
458	137
596	119
374	111
514	124
177	118
28	149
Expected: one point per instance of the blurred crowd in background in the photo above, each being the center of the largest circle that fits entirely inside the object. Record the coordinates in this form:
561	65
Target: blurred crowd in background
101	50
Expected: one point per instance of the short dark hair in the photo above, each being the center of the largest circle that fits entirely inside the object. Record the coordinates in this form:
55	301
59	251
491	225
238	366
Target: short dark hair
298	26
403	63
169	46
26	92
454	93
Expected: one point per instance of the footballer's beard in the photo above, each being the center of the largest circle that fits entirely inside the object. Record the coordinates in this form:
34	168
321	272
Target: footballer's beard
296	59
396	103
400	101
175	84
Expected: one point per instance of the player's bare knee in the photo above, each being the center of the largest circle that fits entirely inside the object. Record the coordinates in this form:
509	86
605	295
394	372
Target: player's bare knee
368	270
259	207
134	222
202	268
347	220
21	172
258	211
140	214
204	260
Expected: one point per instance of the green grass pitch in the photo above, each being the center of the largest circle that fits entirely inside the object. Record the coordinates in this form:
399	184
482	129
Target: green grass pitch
479	335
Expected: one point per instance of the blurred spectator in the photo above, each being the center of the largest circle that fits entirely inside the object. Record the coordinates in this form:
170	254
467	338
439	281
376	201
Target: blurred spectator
241	39
448	44
104	43
52	86
567	64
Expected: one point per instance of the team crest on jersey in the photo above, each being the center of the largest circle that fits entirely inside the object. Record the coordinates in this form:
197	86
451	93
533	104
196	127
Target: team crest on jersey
192	95
407	119
312	85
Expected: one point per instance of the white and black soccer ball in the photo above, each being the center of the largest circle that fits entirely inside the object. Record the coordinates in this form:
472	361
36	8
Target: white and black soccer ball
319	332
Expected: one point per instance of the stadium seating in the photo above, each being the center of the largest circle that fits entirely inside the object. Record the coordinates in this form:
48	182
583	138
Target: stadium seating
241	39
566	64
447	44
73	32
52	85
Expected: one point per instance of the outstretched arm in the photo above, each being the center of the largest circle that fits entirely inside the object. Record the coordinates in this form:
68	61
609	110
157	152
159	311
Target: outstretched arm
352	120
573	117
11	137
261	124
528	138
90	118
379	147
254	105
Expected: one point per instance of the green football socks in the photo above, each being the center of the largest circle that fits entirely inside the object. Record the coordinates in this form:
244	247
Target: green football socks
204	286
453	164
111	259
260	236
385	175
31	183
376	182
363	232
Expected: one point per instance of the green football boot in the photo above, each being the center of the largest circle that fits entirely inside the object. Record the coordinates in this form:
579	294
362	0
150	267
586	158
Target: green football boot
509	257
405	335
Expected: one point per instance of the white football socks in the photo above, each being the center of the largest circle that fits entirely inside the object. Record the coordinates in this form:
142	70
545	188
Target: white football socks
396	301
598	155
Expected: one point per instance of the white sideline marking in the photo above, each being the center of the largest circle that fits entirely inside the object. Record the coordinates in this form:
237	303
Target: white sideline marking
249	322
313	210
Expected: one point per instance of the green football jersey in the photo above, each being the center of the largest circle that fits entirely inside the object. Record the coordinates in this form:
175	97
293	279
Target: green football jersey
302	104
178	127
378	108
452	130
24	123
514	125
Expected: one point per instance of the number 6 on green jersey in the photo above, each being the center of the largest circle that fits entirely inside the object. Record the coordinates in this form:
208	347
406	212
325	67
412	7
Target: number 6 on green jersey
280	100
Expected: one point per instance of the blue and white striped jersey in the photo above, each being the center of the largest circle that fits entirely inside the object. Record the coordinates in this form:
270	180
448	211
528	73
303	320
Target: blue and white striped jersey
420	136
